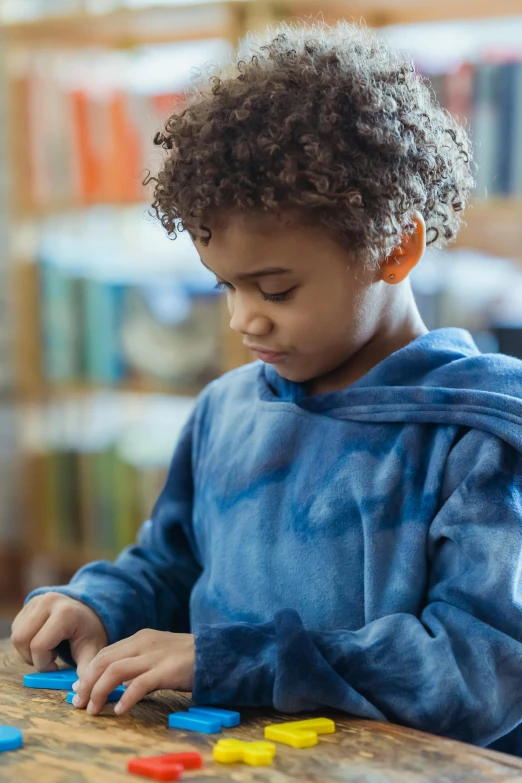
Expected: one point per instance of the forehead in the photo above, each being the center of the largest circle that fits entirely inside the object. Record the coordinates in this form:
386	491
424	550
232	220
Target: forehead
236	227
250	240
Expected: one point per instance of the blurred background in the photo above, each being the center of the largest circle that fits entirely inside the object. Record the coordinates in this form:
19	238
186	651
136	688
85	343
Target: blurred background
108	329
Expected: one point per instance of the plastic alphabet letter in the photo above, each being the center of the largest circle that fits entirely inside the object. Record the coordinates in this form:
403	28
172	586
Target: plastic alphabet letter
257	754
228	718
168	767
300	733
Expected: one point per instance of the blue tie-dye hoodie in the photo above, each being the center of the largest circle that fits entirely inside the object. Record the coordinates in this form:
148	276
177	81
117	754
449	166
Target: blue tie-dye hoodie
360	550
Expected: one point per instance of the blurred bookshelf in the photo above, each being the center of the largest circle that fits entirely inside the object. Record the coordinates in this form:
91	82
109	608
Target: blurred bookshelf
9	446
97	483
116	328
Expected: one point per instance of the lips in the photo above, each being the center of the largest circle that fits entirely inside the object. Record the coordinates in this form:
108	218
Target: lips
271	357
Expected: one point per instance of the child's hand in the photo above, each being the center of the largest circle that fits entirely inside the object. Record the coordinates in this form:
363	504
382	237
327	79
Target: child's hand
149	660
49	619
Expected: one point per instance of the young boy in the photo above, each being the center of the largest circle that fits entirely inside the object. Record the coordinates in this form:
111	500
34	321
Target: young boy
341	526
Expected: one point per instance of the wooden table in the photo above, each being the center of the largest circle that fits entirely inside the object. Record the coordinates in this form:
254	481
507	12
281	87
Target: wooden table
64	745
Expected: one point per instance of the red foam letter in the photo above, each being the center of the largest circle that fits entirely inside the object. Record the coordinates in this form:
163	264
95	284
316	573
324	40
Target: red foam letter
164	768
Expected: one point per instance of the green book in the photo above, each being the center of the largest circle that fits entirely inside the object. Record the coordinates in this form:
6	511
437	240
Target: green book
485	129
61	324
125	504
102	315
102	514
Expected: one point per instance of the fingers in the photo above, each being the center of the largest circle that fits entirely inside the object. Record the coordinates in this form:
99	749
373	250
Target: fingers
75	686
149	660
90	671
43	645
94	694
137	690
21	616
26	627
49	619
84	651
126	648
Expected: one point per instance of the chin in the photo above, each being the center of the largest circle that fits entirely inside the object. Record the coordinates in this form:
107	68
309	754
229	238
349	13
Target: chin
294	375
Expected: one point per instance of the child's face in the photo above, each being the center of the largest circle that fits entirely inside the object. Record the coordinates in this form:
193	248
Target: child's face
295	295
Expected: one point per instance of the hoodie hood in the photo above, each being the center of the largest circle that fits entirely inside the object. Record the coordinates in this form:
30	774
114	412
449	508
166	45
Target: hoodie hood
439	378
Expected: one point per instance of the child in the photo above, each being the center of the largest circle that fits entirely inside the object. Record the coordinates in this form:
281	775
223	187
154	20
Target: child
341	526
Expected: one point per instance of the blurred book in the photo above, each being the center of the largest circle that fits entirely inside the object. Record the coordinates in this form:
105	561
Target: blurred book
101	332
6	364
85	148
95	501
486	97
100	463
9	476
88	118
486	128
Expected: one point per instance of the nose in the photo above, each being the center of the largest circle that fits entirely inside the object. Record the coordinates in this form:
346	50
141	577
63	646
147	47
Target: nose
245	317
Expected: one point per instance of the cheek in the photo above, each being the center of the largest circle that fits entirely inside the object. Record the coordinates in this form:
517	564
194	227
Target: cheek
332	334
327	322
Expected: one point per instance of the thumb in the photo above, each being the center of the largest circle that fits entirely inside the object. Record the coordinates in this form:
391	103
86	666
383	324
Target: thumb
84	651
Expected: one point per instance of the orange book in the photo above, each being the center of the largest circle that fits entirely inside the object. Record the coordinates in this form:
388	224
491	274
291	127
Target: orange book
98	128
124	156
167	104
133	154
88	164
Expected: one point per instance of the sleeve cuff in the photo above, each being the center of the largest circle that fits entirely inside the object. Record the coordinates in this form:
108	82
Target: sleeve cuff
235	664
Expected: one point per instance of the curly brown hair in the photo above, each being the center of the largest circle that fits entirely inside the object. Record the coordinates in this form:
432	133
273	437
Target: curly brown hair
329	123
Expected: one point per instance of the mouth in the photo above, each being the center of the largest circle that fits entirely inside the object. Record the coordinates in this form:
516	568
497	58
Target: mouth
270	357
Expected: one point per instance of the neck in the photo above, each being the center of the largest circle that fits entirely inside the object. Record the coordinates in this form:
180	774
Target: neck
399	327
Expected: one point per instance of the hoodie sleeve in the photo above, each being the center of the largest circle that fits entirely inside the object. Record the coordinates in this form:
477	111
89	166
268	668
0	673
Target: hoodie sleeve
149	584
455	669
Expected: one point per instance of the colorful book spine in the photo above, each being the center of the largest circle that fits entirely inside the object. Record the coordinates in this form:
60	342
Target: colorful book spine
95	501
458	94
506	96
103	303
517	134
487	99
85	145
125	502
485	128
60	324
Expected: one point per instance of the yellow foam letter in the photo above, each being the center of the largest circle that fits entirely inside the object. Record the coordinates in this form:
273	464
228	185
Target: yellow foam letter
300	733
257	754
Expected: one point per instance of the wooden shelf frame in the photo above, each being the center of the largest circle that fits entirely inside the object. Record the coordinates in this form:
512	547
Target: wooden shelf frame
31	210
126	27
380	13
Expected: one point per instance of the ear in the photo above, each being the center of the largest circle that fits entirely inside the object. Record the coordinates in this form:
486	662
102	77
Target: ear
407	255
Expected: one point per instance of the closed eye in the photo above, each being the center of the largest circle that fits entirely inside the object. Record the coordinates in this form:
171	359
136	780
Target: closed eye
279	297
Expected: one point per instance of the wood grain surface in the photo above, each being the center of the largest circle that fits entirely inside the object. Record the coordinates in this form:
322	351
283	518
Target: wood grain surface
64	745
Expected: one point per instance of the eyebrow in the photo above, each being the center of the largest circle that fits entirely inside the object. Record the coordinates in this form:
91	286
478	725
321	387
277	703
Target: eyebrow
272	270
267	272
